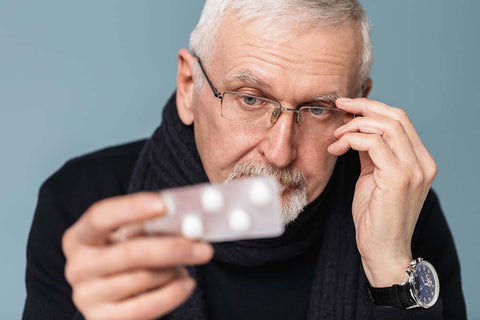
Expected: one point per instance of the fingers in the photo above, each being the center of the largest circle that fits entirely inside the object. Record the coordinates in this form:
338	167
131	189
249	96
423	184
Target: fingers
139	253
392	132
391	125
121	286
134	278
378	150
378	110
104	216
149	305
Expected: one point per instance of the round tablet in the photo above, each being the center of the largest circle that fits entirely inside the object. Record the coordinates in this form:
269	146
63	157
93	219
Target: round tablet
240	221
260	194
212	200
192	226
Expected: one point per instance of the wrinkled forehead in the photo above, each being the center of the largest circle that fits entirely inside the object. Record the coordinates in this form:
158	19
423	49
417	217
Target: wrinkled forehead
336	48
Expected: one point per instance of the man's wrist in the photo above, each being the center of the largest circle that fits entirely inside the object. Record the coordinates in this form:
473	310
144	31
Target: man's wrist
386	273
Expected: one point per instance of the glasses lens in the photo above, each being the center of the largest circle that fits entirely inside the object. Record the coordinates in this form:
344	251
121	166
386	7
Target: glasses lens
253	111
320	120
247	109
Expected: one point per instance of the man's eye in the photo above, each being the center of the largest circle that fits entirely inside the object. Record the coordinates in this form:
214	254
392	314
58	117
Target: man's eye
249	100
318	111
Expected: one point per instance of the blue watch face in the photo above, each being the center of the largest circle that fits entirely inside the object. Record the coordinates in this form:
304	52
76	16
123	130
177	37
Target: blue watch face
426	285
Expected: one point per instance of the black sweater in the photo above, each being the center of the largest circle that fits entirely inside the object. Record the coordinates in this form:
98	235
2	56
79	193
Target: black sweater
279	292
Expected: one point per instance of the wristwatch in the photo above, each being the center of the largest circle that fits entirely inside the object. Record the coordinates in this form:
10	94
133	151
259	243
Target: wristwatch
421	289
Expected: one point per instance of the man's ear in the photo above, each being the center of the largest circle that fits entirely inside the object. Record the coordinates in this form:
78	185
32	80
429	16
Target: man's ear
185	86
367	87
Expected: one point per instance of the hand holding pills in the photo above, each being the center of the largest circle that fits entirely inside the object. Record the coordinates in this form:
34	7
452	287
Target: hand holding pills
142	277
126	256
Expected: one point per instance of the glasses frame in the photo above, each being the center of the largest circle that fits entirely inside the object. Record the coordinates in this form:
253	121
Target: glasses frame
275	113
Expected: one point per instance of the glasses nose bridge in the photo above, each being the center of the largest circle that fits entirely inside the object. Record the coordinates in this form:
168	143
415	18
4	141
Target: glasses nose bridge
276	113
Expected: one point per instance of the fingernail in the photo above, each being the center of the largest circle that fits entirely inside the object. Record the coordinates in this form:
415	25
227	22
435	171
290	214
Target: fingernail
202	251
158	205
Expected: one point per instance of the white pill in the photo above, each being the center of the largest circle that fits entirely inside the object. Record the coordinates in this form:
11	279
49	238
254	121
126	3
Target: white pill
192	226
260	194
212	200
240	221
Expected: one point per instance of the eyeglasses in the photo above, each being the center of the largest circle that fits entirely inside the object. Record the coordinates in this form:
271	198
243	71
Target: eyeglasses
253	111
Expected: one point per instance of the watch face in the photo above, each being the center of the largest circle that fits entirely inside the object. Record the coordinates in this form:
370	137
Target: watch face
426	285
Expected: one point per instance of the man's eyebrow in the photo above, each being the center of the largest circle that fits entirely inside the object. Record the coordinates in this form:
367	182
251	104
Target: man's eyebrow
327	97
247	77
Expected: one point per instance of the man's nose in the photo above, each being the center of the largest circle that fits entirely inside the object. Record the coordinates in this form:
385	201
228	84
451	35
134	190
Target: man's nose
278	147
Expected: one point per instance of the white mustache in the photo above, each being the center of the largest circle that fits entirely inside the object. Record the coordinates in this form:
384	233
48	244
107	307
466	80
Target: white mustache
287	178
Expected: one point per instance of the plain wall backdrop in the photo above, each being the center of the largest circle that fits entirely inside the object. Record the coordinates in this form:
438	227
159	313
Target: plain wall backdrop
79	76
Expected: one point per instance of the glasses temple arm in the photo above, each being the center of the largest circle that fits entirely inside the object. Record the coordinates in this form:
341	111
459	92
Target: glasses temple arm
215	92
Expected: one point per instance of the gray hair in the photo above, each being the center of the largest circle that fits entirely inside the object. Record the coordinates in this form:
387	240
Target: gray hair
312	13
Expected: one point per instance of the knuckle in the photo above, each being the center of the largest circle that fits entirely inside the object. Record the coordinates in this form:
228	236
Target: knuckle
411	178
78	296
72	273
67	240
96	206
400	114
432	171
128	251
69	274
396	126
92	219
418	177
404	180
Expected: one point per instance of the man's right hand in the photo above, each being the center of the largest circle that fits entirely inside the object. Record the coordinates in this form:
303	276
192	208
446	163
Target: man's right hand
140	278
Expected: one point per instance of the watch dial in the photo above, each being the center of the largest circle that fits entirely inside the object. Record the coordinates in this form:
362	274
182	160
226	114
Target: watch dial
426	284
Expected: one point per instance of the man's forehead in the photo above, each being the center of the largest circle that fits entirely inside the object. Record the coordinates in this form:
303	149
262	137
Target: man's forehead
246	55
248	37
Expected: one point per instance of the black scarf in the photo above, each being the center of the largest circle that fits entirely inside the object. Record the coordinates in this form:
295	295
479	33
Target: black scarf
170	159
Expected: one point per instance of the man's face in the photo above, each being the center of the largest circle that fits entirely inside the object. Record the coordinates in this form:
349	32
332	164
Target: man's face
291	70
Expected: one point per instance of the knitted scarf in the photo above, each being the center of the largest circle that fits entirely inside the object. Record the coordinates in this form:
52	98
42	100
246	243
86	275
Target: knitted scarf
170	159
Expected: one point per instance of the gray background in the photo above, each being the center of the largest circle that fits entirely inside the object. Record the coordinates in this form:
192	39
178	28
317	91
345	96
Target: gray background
78	76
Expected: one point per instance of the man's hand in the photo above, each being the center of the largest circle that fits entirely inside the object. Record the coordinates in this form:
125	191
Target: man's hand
140	278
397	172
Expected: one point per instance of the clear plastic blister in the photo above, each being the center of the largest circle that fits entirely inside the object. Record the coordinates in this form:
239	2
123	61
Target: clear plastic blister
241	209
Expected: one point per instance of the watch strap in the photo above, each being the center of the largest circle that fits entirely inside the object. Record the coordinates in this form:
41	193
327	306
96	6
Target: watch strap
397	295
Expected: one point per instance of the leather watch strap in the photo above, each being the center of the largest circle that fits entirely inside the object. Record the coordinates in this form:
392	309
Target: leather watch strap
396	295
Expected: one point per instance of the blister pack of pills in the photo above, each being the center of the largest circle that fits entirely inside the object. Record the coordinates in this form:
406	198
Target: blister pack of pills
241	209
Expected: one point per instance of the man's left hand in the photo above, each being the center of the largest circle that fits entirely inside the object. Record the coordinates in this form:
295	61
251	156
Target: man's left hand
396	174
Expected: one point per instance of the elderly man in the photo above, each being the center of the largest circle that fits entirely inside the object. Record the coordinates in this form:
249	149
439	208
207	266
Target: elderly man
268	88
